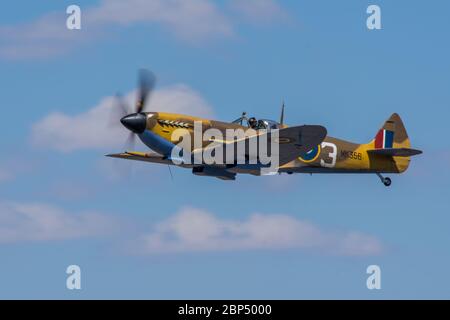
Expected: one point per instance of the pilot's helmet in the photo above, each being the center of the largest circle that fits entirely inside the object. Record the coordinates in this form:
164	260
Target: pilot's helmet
252	122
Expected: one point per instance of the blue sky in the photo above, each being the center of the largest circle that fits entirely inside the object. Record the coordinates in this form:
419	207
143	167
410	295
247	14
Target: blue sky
63	203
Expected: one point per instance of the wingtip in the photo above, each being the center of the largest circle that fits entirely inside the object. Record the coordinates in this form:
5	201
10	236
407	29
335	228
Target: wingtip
112	155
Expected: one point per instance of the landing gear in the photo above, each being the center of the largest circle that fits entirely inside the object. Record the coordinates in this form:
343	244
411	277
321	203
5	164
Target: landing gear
386	181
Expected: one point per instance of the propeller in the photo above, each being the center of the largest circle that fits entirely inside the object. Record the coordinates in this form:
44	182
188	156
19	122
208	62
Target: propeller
135	122
118	111
147	81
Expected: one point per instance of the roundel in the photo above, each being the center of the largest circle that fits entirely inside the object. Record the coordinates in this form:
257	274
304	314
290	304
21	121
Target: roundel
311	155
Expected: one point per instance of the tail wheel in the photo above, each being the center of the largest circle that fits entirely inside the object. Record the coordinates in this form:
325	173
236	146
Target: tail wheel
386	181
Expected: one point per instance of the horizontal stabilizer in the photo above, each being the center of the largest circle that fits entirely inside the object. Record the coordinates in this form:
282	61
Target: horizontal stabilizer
395	152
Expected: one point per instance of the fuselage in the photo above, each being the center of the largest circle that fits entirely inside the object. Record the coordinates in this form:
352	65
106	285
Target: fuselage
340	156
331	156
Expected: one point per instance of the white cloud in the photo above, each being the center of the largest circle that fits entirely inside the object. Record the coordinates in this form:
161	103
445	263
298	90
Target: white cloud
259	11
190	230
92	130
44	37
41	222
192	21
196	230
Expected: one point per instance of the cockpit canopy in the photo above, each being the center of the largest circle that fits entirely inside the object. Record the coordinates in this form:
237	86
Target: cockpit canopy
255	124
267	124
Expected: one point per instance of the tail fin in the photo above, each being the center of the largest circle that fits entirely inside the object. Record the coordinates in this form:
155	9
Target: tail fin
392	141
392	135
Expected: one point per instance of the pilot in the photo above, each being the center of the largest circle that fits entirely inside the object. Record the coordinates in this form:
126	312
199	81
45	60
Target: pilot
253	123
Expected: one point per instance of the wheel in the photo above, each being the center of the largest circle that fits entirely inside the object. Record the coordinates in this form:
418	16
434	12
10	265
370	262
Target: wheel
387	182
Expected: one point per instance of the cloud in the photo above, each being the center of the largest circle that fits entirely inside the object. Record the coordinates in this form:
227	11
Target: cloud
41	222
92	130
44	37
196	230
192	21
259	11
190	230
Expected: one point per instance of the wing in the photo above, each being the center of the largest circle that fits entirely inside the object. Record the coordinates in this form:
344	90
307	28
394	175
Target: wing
295	141
292	142
151	157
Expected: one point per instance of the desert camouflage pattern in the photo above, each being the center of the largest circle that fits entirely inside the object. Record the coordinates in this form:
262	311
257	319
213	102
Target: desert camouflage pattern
340	156
388	152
